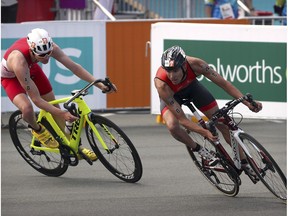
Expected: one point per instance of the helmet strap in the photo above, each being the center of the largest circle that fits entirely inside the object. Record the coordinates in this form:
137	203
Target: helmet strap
32	52
184	73
33	56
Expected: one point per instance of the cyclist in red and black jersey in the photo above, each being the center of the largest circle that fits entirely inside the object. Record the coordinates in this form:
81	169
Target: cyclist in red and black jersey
175	81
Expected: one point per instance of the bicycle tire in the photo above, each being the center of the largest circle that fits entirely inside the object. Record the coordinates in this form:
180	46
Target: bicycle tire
121	160
47	163
265	167
222	176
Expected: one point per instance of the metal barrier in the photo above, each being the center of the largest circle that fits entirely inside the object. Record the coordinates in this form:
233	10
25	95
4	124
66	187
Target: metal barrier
135	9
80	14
104	10
267	20
166	9
74	13
151	9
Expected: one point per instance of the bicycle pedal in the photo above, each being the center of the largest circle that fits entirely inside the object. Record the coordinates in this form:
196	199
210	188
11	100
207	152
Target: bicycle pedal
254	179
36	152
37	143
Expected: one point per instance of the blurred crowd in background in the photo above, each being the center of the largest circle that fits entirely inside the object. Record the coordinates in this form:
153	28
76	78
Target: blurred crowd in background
16	11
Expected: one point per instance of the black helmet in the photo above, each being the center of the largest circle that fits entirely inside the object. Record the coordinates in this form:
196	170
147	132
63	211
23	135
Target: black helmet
173	58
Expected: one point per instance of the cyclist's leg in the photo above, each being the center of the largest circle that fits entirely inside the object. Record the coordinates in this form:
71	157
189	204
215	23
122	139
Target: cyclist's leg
49	97
22	102
207	104
45	89
175	129
18	96
223	129
41	81
180	134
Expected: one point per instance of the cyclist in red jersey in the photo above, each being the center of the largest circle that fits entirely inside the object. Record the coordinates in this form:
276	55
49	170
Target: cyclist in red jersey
176	81
22	76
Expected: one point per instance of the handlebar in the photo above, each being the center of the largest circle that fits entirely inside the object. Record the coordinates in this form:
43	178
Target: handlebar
109	84
72	108
230	105
224	110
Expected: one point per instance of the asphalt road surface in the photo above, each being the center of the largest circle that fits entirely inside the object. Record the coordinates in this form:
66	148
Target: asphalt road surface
170	186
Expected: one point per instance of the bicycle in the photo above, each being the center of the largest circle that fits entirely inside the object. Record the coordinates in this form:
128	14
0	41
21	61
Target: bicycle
111	145
225	175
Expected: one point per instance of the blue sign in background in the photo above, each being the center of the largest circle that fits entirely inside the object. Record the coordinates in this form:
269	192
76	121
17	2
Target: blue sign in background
80	50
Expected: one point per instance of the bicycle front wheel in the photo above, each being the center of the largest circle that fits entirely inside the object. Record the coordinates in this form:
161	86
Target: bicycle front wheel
121	158
47	163
222	175
265	167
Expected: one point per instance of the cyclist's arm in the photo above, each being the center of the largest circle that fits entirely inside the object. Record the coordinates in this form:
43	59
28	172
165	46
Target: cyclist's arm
76	68
166	94
18	64
201	67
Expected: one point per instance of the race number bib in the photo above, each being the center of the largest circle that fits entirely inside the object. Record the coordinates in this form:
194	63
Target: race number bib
226	11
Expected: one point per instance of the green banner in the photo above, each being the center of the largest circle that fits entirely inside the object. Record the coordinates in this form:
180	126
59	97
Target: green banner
256	67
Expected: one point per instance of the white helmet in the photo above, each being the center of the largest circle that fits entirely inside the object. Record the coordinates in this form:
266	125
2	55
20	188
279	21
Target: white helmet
39	41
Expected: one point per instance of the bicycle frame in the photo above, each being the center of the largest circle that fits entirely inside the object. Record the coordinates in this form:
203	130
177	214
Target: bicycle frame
74	140
243	147
234	131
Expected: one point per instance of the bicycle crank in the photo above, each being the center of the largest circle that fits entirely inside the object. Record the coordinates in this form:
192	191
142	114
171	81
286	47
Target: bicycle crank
69	158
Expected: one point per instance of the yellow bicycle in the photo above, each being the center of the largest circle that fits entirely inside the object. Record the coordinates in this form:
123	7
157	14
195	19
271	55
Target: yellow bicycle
111	145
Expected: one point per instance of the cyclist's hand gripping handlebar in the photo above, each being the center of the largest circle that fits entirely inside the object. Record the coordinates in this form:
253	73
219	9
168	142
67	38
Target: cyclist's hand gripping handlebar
248	97
72	109
109	84
256	107
229	106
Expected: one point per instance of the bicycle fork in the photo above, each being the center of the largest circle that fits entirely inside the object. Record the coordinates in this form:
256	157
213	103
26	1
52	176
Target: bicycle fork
89	120
235	148
236	141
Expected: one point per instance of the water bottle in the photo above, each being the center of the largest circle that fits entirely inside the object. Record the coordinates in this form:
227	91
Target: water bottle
68	127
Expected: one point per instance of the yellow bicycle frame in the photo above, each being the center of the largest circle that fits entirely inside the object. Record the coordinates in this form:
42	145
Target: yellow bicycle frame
74	140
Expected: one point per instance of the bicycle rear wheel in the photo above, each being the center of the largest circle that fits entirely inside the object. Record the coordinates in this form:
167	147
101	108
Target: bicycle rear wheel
121	158
265	167
222	176
47	163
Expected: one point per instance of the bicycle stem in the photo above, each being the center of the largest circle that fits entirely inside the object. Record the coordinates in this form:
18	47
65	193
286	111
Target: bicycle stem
106	82
66	105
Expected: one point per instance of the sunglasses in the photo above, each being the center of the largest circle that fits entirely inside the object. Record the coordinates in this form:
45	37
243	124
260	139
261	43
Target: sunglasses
44	55
172	70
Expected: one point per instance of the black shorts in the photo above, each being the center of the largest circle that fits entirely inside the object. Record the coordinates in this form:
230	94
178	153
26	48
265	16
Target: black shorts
200	96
